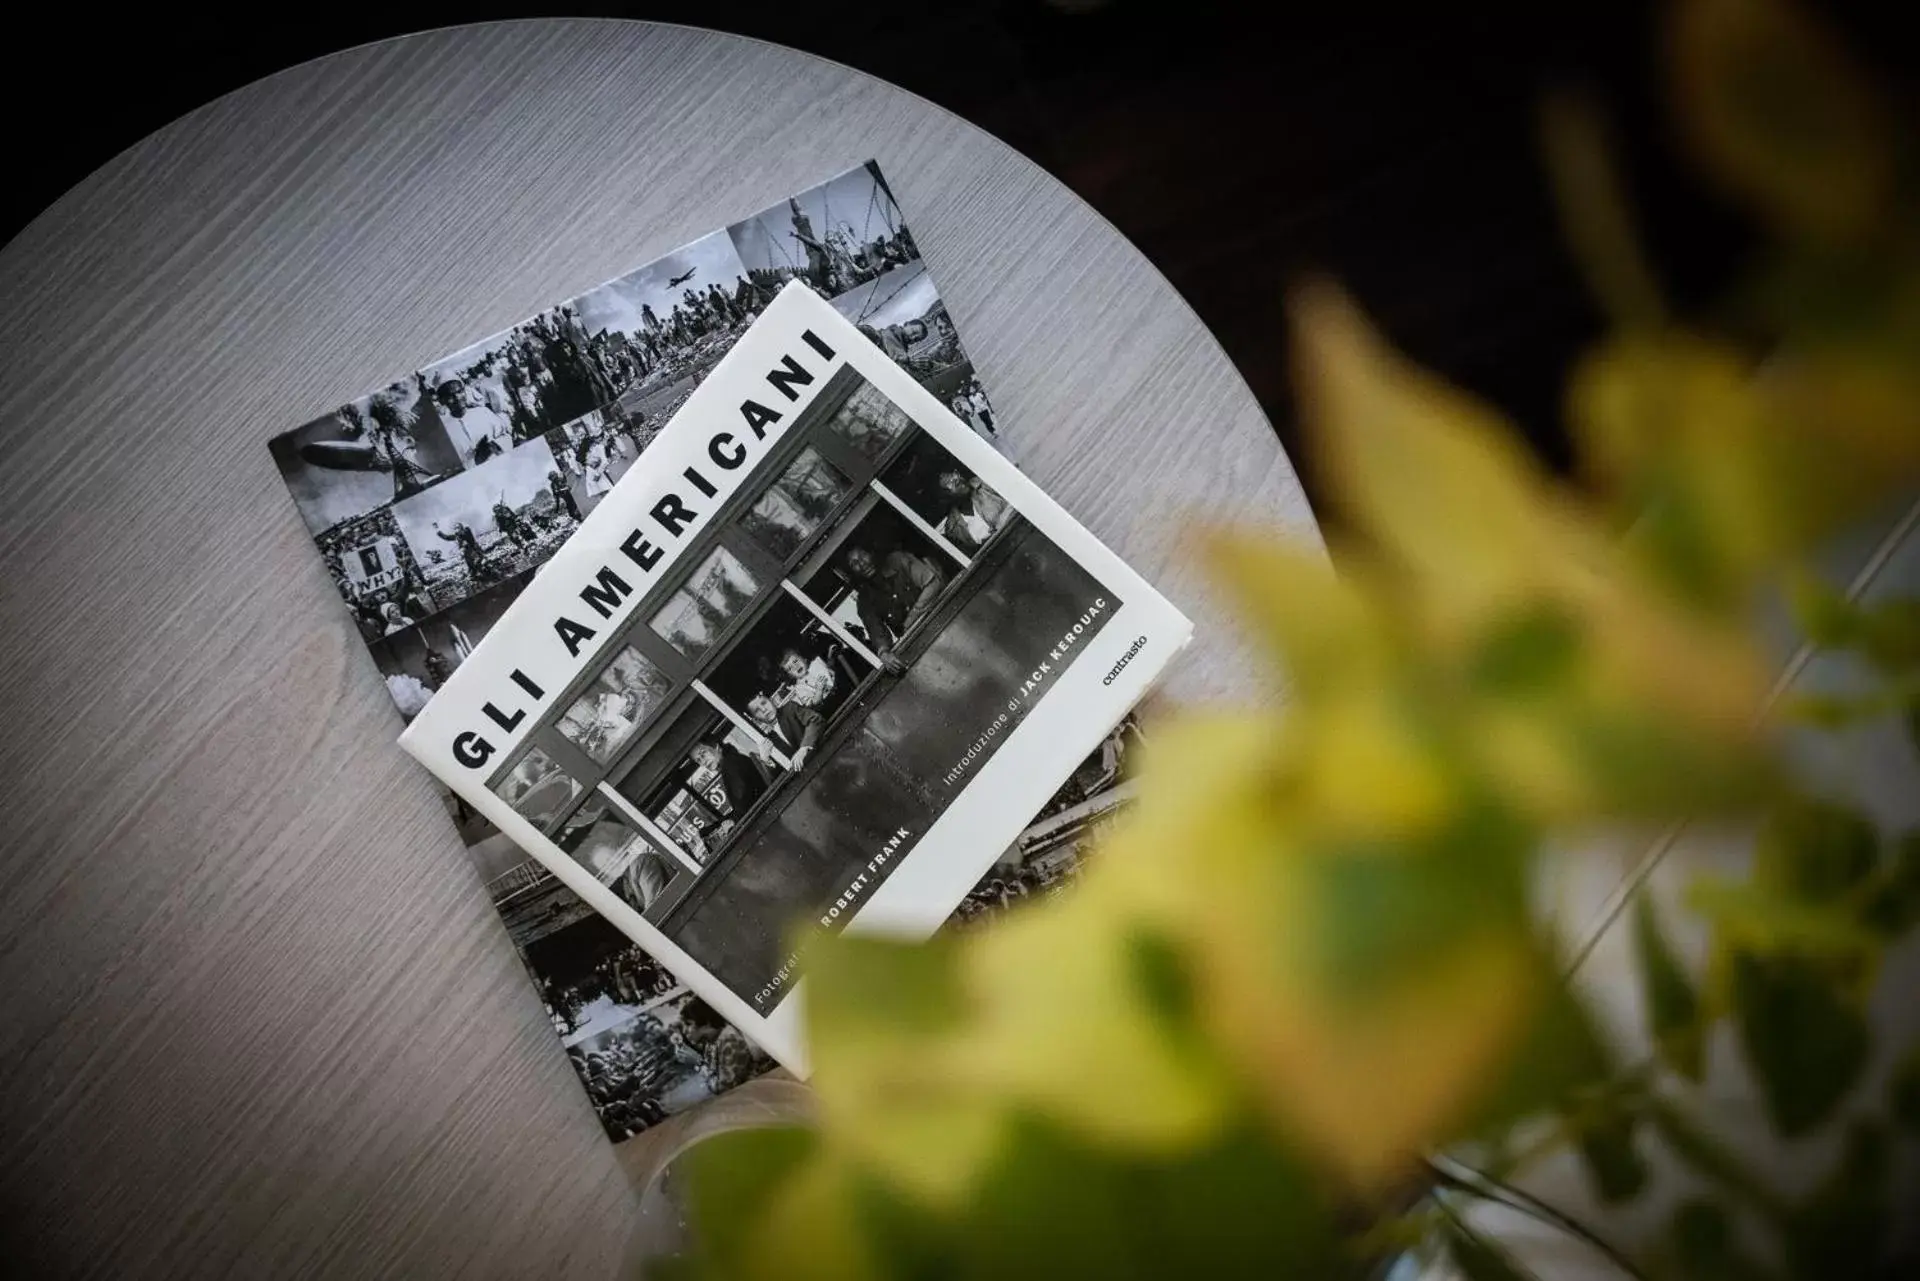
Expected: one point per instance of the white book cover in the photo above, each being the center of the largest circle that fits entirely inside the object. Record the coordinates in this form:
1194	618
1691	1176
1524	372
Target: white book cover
813	663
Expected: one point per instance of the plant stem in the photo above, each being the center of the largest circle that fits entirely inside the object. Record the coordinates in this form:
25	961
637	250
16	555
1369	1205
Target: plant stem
1526	1203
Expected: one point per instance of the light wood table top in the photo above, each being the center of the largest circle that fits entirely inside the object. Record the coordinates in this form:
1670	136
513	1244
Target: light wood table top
260	1019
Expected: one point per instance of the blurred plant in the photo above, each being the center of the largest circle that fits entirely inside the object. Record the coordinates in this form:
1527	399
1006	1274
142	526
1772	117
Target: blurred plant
1309	956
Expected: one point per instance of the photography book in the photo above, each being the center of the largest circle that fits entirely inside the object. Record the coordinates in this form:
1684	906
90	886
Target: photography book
578	390
817	659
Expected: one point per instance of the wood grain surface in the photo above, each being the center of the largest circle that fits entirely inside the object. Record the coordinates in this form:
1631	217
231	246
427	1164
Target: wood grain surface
260	1019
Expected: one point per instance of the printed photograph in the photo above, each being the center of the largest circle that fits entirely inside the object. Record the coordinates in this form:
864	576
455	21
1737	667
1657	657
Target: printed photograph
596	379
591	454
539	790
821	671
521	384
1052	850
364	455
699	780
486	525
671	321
374	568
604	841
900	312
884	579
616	1010
644	1047
416	661
697	611
840	235
951	502
604	716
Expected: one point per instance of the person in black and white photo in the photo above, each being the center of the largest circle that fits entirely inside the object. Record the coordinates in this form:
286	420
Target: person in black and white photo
947	495
810	681
394	619
892	592
416	659
371	563
741	779
792	728
563	496
486	524
837	236
481	429
975	510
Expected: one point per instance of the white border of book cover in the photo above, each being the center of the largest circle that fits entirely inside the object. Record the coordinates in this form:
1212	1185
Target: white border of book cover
820	654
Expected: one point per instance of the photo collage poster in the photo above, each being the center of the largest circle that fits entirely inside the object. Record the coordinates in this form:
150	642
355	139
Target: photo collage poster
433	500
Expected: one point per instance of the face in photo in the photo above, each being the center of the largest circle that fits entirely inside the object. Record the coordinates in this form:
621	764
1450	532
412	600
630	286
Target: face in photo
888	575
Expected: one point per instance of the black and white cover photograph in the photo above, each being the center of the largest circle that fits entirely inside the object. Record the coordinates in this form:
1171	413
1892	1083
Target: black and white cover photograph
376	573
812	645
590	454
643	1045
836	237
616	1010
417	660
487	525
370	452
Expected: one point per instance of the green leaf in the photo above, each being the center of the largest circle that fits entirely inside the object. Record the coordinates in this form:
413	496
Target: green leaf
1815	850
1841	1229
1767	921
1807	1046
1673	1006
1895	906
1903	1092
1612	1158
730	1178
1478	1258
1529	653
1056	1205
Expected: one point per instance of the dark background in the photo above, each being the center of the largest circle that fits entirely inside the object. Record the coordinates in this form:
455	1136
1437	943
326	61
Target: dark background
1238	145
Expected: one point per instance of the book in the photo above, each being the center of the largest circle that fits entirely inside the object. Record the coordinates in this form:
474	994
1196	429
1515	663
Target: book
643	1046
818	657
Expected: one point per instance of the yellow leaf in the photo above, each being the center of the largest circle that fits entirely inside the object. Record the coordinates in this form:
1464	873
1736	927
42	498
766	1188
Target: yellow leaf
1371	1084
1729	470
1319	624
881	1016
1436	478
1071	1029
1774	107
1371	773
1219	858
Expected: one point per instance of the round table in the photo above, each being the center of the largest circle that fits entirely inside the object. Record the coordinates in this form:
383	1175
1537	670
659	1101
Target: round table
259	1017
